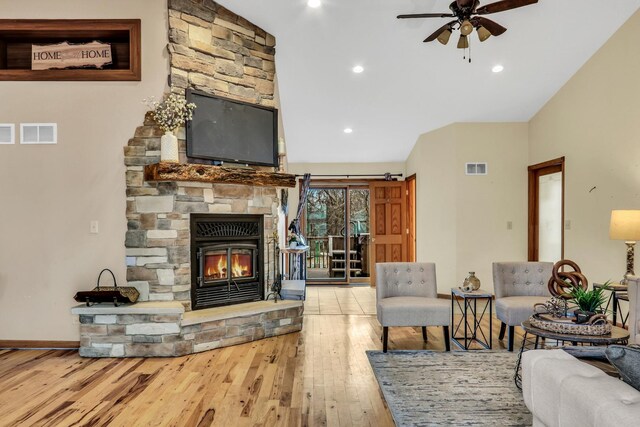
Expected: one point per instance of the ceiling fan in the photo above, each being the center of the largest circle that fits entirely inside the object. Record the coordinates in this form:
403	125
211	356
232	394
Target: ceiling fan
468	16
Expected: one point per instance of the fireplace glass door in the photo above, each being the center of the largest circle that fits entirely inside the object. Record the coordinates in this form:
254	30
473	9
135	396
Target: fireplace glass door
241	263
215	265
222	264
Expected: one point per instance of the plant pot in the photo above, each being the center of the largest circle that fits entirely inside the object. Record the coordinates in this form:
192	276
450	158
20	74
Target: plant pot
293	245
583	316
169	148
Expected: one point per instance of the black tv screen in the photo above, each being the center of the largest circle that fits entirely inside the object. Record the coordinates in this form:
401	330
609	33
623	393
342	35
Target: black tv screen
232	131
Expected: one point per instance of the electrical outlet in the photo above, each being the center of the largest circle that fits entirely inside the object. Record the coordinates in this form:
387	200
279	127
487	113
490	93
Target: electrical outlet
93	227
567	224
509	225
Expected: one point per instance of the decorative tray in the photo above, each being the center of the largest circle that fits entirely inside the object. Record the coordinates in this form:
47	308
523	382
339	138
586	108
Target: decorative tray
565	325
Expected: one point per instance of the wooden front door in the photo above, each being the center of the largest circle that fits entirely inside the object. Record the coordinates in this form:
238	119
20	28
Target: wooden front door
388	223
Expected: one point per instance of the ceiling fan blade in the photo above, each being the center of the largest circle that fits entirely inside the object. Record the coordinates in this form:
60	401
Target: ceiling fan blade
503	5
493	27
427	15
439	31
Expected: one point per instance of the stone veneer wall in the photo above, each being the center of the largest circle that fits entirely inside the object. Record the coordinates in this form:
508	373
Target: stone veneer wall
218	52
158	237
144	334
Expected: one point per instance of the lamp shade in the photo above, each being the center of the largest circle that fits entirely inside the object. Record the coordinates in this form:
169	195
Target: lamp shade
625	225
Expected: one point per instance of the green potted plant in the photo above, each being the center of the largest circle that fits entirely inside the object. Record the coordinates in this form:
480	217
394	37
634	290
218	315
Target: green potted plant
588	302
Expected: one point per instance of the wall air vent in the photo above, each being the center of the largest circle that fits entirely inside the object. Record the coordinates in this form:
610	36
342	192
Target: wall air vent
38	133
476	168
7	133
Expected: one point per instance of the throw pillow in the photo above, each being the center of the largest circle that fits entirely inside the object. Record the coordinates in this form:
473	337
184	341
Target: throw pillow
627	361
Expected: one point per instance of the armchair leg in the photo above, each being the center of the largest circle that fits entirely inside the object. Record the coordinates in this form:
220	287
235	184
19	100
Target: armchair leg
424	333
385	337
447	345
503	329
512	332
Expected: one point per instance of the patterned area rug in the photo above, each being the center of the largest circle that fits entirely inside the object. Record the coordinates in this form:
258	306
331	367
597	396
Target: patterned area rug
426	388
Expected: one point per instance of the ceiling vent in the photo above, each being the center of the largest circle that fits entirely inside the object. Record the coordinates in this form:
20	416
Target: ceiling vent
476	168
7	133
38	133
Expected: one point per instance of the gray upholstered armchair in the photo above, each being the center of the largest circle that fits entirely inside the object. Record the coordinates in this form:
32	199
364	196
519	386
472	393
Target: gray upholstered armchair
407	295
634	309
518	286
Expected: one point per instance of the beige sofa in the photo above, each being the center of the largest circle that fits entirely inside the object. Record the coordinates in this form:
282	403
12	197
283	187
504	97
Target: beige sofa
562	391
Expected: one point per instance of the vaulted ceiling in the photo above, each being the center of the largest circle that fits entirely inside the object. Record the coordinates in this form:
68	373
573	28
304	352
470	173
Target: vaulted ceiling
409	87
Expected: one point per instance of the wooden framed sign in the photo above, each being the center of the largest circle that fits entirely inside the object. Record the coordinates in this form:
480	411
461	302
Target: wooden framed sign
65	55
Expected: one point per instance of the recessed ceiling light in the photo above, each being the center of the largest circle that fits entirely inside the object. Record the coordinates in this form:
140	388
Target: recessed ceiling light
358	69
348	130
314	3
497	68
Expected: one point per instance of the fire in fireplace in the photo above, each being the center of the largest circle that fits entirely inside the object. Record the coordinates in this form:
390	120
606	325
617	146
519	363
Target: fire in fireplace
219	260
226	259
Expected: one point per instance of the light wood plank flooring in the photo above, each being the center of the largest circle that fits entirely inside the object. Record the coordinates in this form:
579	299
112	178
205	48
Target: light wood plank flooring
324	299
318	377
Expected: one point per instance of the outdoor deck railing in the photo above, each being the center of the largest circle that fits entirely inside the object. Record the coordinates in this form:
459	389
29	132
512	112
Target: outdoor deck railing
318	255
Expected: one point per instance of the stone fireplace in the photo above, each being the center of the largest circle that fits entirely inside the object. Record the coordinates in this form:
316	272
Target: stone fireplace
197	248
226	259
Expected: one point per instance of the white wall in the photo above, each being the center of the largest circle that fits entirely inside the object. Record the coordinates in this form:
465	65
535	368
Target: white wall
594	121
461	219
550	217
49	194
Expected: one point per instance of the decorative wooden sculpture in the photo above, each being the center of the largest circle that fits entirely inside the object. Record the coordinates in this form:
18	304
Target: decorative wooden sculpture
561	282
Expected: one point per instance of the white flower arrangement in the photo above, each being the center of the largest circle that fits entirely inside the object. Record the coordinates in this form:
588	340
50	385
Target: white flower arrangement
170	113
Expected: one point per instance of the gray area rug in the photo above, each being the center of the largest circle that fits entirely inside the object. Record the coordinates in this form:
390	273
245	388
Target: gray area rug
427	388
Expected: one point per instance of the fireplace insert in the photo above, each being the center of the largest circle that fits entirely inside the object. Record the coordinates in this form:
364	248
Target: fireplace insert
226	259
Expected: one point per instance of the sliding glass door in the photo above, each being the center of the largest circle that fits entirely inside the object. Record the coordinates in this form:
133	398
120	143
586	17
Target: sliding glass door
339	248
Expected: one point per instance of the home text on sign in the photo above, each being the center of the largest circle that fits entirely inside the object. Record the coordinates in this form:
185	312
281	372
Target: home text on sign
65	55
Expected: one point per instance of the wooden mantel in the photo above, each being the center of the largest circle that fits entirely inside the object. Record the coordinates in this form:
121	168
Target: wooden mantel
165	171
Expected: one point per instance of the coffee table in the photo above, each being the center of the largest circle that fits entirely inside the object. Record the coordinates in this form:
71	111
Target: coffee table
617	336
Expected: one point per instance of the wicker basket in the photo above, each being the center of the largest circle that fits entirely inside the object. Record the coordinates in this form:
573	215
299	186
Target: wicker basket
597	326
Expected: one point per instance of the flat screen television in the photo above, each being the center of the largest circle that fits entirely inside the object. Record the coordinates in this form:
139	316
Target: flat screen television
232	131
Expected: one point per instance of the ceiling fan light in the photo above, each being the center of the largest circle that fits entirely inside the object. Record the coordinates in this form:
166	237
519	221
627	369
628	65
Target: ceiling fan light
483	33
463	42
444	37
466	27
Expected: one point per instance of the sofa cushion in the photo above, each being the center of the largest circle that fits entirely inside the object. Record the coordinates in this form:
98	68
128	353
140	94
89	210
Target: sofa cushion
515	310
547	376
597	401
414	311
627	361
530	360
562	391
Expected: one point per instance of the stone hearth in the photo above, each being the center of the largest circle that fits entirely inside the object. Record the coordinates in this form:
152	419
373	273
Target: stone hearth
160	329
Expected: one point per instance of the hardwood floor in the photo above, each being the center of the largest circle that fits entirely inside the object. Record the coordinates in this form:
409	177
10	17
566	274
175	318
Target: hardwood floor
320	376
323	299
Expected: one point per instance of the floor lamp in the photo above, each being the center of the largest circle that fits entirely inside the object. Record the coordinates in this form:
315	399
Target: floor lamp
625	225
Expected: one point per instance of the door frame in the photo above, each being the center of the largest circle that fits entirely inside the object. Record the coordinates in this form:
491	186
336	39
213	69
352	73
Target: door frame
412	236
535	172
